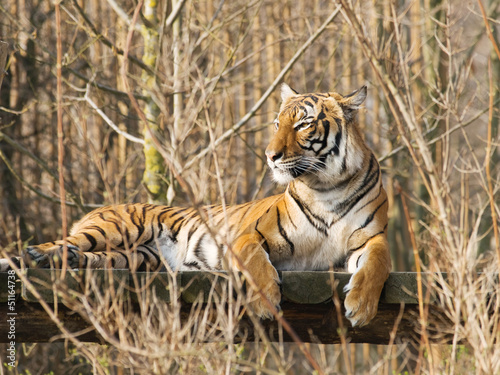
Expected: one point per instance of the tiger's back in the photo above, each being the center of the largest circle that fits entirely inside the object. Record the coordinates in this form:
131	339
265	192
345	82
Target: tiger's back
187	238
333	213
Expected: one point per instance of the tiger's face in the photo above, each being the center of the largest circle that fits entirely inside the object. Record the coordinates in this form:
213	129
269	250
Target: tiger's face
310	141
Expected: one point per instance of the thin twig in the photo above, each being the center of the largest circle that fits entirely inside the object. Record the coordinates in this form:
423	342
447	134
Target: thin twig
402	115
488	29
441	136
74	197
174	14
268	92
60	140
420	294
26	185
50	312
106	41
121	13
109	121
341	331
487	163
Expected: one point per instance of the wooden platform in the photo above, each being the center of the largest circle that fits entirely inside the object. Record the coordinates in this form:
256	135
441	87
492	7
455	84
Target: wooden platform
307	304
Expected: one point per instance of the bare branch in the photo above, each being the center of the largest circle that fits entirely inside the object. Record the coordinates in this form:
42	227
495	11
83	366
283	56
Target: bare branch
108	121
227	134
174	14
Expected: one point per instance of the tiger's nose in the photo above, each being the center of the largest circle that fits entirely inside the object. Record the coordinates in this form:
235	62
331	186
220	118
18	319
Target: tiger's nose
273	156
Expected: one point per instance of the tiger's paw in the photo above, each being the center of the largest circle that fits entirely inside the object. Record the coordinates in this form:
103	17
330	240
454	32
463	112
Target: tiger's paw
35	257
268	282
361	303
261	306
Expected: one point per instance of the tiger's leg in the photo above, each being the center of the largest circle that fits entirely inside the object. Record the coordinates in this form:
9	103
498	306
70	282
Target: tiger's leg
50	255
371	270
249	256
139	258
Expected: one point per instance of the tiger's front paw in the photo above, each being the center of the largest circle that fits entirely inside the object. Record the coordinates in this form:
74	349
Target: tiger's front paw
260	305
361	303
264	304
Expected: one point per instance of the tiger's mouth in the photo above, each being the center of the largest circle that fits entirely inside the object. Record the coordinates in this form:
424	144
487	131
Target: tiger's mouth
285	171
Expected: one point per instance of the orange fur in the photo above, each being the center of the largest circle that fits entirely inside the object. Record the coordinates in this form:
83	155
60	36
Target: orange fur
332	214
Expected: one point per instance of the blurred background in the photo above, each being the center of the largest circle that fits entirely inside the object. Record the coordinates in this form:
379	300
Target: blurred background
173	104
206	70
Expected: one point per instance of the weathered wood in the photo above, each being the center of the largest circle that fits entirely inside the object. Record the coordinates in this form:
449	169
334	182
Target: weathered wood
312	323
307	305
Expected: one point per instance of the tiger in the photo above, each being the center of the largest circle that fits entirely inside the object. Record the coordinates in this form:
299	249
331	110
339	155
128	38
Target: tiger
332	215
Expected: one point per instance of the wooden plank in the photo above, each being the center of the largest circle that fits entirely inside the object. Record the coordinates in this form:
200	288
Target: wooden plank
307	304
312	323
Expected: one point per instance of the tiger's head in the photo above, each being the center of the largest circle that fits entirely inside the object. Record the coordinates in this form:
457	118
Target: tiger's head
316	137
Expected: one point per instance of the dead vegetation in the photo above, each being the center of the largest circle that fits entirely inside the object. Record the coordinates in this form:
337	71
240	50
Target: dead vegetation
180	96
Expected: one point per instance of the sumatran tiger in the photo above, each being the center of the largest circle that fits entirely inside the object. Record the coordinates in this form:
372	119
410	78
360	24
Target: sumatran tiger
333	213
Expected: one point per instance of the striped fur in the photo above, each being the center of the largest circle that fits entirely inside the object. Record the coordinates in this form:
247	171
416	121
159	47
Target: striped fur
332	214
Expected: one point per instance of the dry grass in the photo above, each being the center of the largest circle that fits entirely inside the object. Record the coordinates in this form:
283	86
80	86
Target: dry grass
431	116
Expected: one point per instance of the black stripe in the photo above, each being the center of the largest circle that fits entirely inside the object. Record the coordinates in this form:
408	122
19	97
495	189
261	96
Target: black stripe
194	227
283	232
181	221
308	214
372	215
71	242
375	235
91	239
127	238
159	220
113	221
175	232
124	255
154	252
335	150
145	261
198	252
152	237
179	211
368	220
99	229
371	200
135	219
288	214
310	104
346	150
192	264
338	138
326	133
264	244
371	178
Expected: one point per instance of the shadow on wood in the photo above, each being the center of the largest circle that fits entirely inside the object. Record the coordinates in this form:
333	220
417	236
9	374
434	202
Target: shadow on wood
307	306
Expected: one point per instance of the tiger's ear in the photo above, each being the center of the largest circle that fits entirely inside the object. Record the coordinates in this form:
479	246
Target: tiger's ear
355	98
352	102
287	92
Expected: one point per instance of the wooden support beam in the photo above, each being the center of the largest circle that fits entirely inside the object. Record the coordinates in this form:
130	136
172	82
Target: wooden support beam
307	305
